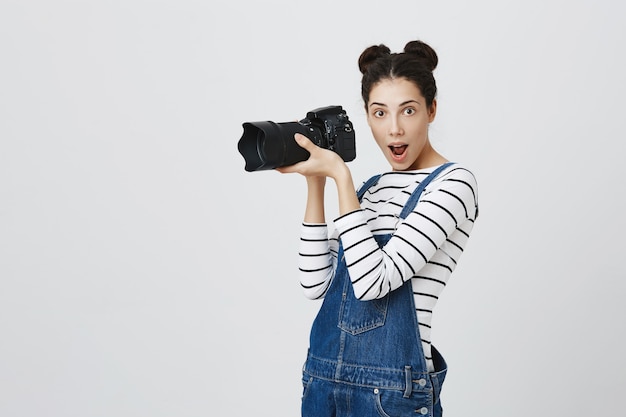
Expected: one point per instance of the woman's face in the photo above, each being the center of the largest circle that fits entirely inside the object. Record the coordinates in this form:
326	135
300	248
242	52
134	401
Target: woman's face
398	117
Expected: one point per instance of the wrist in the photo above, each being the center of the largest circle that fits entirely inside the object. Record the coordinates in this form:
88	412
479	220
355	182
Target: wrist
342	175
316	181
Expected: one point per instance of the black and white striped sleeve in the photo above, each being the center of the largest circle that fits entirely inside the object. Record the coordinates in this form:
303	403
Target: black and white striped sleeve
316	258
445	207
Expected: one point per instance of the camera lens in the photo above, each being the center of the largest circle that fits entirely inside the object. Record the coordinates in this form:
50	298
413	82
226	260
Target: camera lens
260	145
267	145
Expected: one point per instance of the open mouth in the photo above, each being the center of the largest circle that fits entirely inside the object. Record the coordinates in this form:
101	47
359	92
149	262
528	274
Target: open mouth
398	150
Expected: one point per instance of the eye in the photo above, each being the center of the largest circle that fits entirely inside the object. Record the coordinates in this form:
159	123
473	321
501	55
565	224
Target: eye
409	111
378	113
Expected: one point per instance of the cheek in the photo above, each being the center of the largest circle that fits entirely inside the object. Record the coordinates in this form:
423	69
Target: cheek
379	136
380	143
421	129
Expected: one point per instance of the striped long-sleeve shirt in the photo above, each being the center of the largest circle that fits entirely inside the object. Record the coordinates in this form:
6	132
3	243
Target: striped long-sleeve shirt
425	247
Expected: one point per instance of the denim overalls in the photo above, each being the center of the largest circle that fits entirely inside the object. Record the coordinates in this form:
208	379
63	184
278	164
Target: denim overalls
365	358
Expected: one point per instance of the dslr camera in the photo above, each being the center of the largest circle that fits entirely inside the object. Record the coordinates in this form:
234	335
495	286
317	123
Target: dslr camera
267	145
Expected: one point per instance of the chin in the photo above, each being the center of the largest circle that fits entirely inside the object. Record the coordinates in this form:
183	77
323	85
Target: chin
401	166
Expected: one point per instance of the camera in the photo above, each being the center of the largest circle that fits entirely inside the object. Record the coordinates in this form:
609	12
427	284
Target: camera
267	145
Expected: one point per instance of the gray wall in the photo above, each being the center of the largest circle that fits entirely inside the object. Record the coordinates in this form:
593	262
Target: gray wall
143	272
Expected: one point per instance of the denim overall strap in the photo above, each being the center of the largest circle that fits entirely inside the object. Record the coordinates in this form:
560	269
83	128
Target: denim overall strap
414	198
366	185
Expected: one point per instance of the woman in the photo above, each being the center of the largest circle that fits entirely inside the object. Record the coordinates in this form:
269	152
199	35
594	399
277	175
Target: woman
396	242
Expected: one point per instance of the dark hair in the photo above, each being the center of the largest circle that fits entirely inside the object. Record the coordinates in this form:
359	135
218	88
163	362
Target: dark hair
416	64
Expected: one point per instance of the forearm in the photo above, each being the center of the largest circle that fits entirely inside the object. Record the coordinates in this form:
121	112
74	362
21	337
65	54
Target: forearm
314	211
346	193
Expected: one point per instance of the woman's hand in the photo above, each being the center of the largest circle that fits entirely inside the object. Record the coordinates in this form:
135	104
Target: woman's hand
321	163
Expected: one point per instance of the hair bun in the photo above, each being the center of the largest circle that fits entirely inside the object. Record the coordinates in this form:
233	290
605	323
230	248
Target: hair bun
371	54
423	52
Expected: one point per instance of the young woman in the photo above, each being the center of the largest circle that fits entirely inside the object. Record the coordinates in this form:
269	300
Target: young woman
396	242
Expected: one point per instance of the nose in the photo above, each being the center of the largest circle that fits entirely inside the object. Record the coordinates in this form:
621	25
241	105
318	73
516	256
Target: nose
395	128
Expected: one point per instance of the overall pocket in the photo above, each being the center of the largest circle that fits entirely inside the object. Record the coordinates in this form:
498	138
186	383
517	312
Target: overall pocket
357	316
394	403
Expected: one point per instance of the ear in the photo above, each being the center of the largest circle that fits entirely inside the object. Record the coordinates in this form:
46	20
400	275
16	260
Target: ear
432	112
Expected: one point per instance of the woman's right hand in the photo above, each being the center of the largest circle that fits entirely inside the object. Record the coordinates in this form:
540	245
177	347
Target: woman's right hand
324	163
321	162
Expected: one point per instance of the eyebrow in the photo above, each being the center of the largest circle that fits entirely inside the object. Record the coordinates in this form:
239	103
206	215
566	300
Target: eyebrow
401	104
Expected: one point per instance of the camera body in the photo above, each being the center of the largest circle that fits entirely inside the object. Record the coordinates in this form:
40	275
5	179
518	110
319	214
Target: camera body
267	145
331	129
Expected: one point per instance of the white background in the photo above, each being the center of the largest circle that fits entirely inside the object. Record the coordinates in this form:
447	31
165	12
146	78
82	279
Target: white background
143	272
